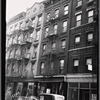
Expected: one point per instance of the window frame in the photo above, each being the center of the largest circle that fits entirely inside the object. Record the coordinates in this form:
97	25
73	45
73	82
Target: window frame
48	17
56	13
75	67
78	21
90	16
61	68
55	28
42	69
63	46
79	3
65	27
66	10
53	45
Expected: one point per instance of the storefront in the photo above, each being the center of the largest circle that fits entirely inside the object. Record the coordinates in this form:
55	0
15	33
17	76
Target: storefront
83	87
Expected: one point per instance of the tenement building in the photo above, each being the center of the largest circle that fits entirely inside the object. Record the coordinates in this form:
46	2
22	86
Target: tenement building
53	48
22	54
69	49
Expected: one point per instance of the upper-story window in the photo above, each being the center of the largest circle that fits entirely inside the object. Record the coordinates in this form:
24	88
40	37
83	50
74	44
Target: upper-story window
78	20
63	44
55	29
90	16
57	13
42	67
33	22
35	51
53	45
75	65
37	35
89	38
46	31
10	40
61	67
44	47
65	10
15	39
77	39
48	17
79	2
39	20
89	64
64	26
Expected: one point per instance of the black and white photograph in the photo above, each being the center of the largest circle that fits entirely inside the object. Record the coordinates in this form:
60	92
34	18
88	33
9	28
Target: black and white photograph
52	50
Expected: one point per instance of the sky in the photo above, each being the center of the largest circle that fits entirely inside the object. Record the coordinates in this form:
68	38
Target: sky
14	7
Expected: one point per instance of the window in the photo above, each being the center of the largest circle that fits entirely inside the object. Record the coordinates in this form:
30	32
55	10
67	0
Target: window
65	10
55	29
75	65
44	47
51	68
33	22
53	45
56	13
37	35
77	39
48	17
42	67
35	52
15	39
79	2
90	37
88	64
90	0
78	20
90	16
61	66
10	54
46	32
63	44
65	26
39	20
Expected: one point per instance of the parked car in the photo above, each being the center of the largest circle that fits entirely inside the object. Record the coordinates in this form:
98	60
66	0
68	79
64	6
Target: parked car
47	96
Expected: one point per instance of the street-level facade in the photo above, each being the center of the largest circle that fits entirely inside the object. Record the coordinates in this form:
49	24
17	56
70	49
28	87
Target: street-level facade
23	51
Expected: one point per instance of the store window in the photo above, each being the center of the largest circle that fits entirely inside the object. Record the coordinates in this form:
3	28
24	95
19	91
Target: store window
82	91
61	68
75	65
55	29
78	20
57	13
65	10
30	89
64	26
90	16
